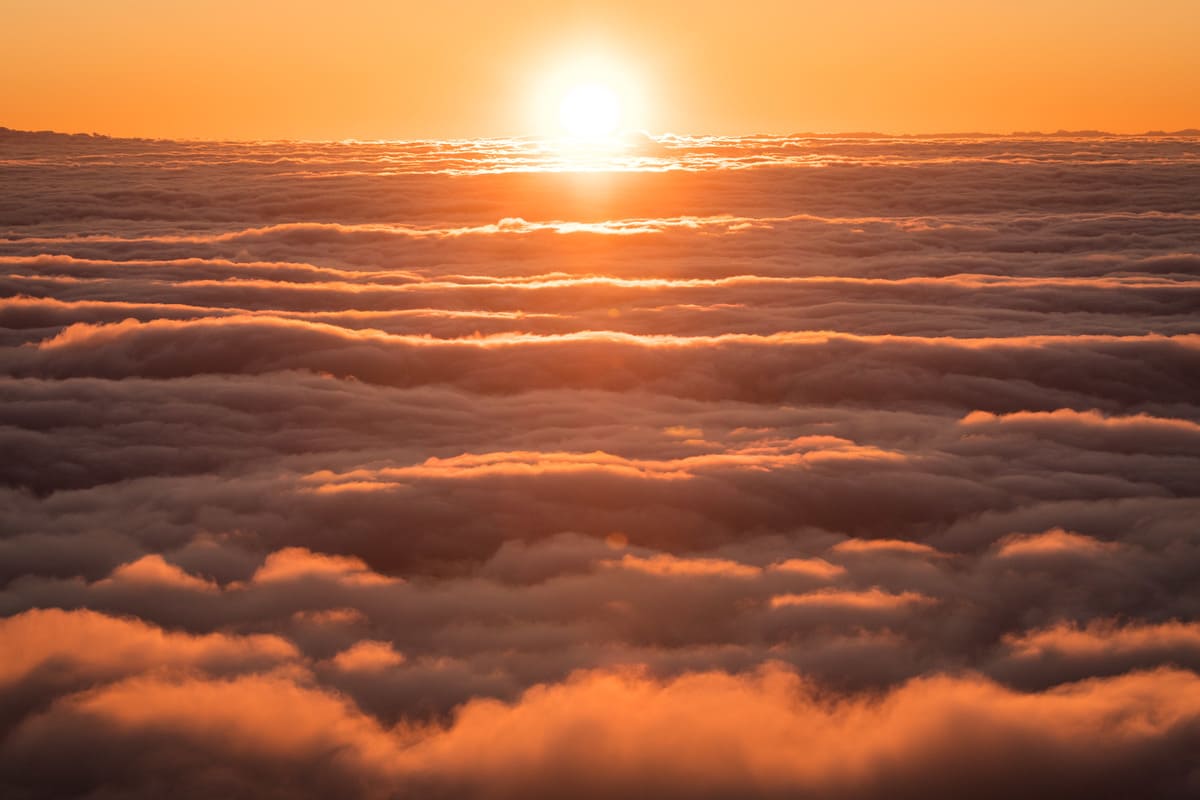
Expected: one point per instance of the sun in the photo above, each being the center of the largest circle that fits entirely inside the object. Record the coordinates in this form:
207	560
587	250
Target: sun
590	111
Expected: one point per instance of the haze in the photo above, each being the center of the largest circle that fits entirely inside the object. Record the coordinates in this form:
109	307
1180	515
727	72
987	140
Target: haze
370	69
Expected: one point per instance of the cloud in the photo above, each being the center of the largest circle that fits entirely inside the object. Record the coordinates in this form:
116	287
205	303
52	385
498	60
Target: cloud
1067	652
761	467
828	599
94	644
665	565
1052	544
1140	433
153	570
296	564
601	734
368	656
889	546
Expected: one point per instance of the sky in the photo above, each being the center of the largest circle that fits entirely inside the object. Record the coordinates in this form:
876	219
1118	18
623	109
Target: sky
424	401
221	69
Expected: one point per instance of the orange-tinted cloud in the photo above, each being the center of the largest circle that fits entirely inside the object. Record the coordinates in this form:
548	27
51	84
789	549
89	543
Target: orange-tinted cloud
297	563
869	600
93	645
666	565
368	656
1056	542
376	469
677	736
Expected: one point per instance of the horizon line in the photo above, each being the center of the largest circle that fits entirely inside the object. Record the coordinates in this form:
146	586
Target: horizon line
666	135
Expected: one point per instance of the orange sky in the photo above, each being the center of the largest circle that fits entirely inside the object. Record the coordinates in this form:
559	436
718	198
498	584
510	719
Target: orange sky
382	69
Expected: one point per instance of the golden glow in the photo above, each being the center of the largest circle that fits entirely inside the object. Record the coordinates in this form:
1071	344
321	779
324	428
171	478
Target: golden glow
586	97
229	69
590	111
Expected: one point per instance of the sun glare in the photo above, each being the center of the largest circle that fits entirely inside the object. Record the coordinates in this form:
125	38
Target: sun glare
590	111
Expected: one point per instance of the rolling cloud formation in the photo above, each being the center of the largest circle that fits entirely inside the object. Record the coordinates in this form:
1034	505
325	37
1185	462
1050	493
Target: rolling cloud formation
724	468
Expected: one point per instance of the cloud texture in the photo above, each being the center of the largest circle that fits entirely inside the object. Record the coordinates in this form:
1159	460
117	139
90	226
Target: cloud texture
838	467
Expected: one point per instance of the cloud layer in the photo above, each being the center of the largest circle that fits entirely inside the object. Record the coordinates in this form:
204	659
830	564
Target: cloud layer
718	468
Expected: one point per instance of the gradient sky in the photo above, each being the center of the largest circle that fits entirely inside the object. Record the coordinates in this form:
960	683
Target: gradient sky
381	69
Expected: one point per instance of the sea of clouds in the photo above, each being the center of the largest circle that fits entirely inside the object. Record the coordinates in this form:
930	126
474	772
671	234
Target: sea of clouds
709	468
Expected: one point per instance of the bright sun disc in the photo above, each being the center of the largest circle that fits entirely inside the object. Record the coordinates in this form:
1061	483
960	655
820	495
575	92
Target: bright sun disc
590	111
